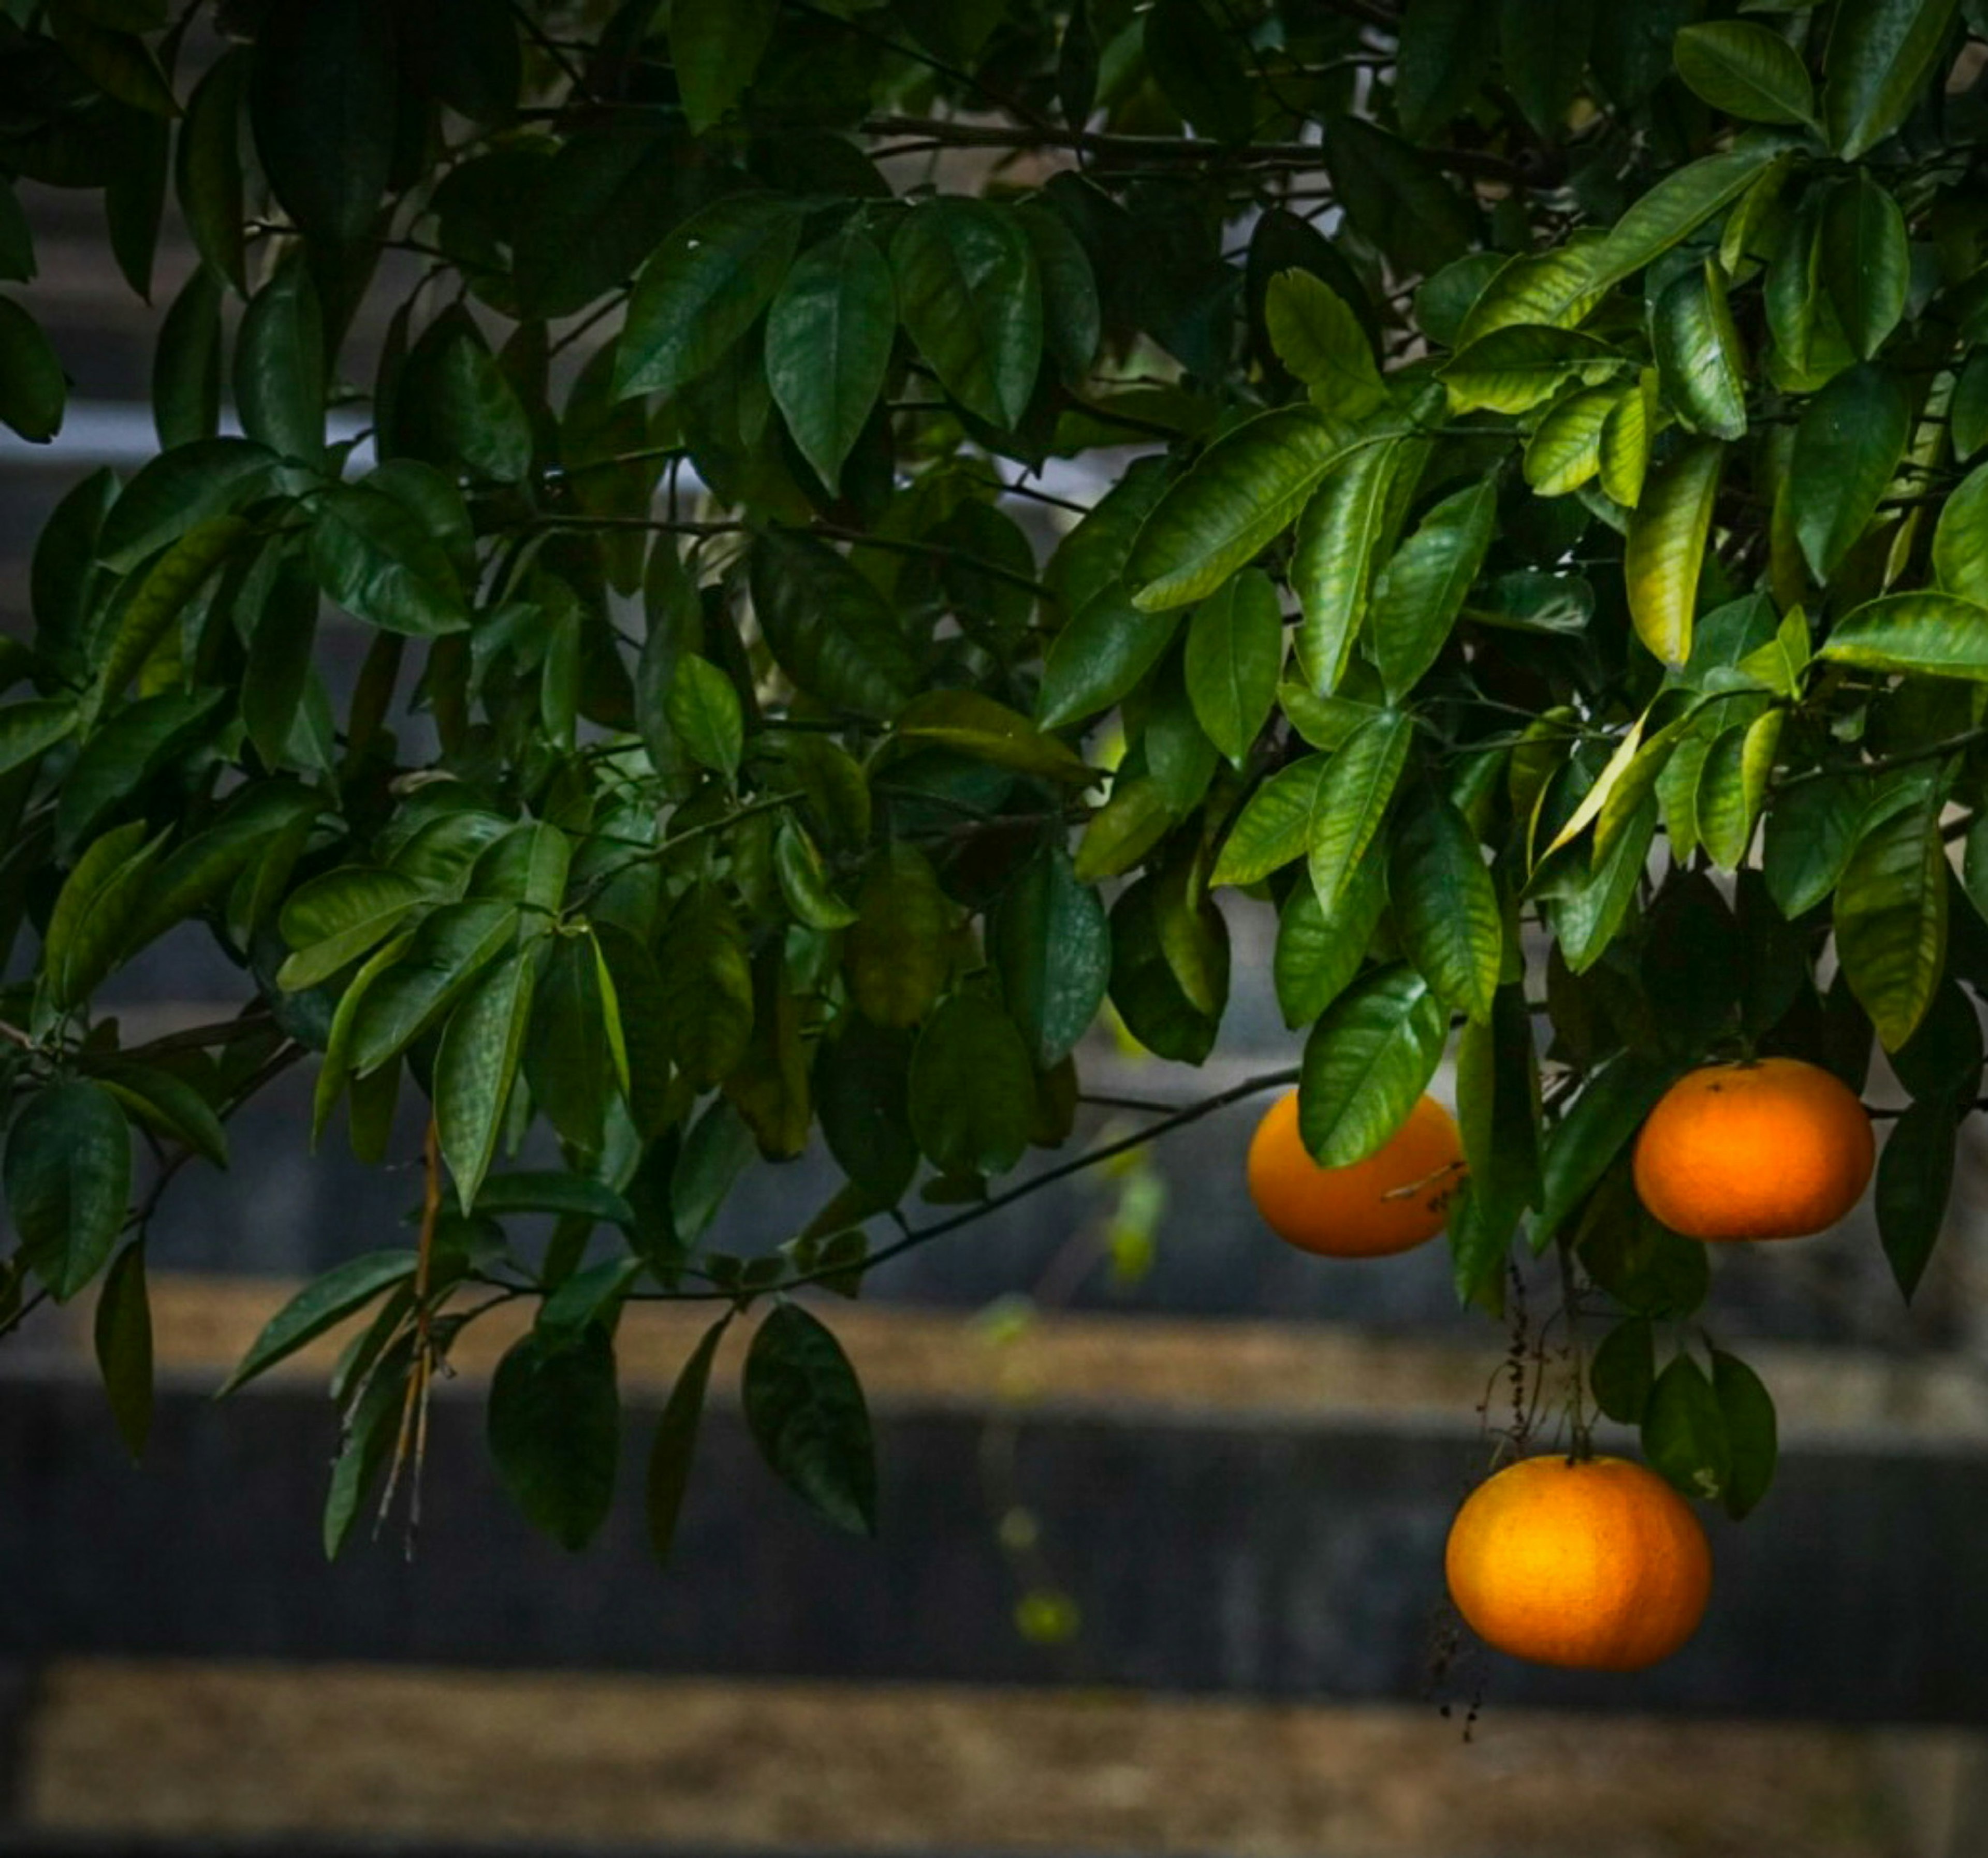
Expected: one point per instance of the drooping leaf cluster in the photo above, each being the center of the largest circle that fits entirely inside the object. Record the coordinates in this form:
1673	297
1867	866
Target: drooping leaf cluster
731	572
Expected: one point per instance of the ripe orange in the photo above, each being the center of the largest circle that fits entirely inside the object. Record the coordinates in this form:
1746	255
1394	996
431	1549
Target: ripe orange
1595	1563
1773	1149
1394	1199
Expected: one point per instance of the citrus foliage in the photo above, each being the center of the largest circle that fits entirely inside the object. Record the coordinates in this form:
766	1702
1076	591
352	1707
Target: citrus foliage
1531	453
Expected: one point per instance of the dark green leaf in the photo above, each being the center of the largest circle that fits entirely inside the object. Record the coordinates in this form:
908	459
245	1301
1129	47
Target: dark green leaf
805	1409
1914	1180
67	1177
1745	70
828	346
1847	445
33	390
971	297
1419	594
1446	907
716	45
1684	1432
1624	1370
343	1291
971	1088
829	627
1318	954
1890	919
1050	942
1881	55
674	1450
1748	1409
704	287
375	558
1099	656
555	1426
322	99
481	1048
1352	800
123	1337
1866	263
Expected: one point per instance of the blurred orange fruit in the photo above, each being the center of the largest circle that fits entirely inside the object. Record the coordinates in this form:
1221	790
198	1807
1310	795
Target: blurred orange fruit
1595	1563
1776	1149
1396	1199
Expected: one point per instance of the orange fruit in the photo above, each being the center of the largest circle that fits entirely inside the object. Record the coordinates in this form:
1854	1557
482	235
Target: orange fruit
1595	1563
1777	1149
1394	1199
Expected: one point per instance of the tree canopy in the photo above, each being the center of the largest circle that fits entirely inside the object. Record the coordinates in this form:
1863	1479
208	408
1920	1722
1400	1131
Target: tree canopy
1510	463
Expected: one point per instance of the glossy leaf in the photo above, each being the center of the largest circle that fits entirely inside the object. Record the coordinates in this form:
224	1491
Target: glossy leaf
971	297
554	1428
1698	356
342	1292
482	1046
67	1172
1352	800
1881	57
1241	493
1866	263
1418	596
1235	653
1667	536
1051	943
829	334
805	1409
1342	532
1891	920
1940	635
1367	1063
674	1449
1847	445
1745	70
1446	907
972	1088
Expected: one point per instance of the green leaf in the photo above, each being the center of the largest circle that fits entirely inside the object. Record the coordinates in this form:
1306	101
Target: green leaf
716	45
1395	197
971	299
1733	786
277	677
126	752
860	1083
1665	549
972	725
1446	907
566	1196
168	1105
178	490
322	99
1700	360
1546	47
1145	988
1588	916
336	918
1623	455
67	1174
327	1300
1847	445
1099	656
1319	953
1594	1129
454	407
1235	653
1367	1063
1748	1409
165	591
1565	449
1684	1432
1276	826
481	1048
804	1407
701	289
674	1450
1125	829
1197	66
1960	540
33	727
571	1050
279	366
33	390
1073	317
1236	498
828	335
376	558
1446	46
896	955
453	945
1624	1370
703	710
1560	287
1880	54
1967	414
804	879
971	1088
123	1337
1343	529
1322	343
1747	71
1937	635
1050	941
208	173
1516	368
1914	1182
1866	262
1890	919
1811	828
707	998
829	627
93	910
186	365
528	866
555	1427
1352	799
1419	594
